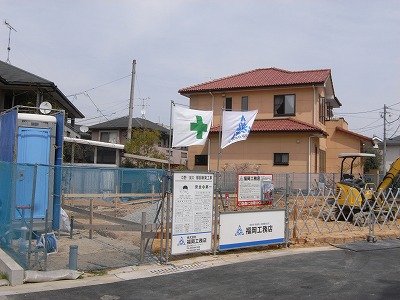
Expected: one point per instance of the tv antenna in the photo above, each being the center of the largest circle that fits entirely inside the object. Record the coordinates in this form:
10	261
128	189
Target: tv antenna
143	110
10	28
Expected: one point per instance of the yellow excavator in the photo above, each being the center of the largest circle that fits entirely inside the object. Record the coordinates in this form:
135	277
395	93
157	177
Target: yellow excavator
355	197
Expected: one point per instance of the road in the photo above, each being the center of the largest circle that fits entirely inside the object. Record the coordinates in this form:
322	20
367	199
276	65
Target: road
338	274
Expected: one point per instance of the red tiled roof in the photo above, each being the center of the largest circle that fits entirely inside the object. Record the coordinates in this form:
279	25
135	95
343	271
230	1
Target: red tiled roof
361	137
259	78
280	125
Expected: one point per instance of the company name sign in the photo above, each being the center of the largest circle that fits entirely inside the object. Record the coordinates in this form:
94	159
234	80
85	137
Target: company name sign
250	229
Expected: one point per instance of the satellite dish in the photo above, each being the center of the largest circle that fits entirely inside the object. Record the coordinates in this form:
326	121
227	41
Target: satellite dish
45	107
84	128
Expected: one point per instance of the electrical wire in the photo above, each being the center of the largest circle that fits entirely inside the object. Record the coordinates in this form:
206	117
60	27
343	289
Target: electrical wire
98	109
96	87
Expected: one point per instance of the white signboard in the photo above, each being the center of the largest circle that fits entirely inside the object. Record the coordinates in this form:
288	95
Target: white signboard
193	195
254	189
249	229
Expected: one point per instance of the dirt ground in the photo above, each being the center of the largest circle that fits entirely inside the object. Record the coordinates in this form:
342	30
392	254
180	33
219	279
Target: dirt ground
114	249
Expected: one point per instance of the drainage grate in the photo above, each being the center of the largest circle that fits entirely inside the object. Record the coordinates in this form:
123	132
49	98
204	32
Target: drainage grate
176	269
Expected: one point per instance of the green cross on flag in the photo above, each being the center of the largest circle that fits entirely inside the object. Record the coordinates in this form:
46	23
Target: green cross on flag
190	126
199	126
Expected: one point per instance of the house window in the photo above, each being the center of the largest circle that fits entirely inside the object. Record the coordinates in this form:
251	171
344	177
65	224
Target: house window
322	161
200	160
228	104
245	103
316	160
329	111
106	155
284	105
108	137
281	159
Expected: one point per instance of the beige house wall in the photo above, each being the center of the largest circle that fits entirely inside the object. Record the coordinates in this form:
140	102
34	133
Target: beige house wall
307	108
257	153
340	142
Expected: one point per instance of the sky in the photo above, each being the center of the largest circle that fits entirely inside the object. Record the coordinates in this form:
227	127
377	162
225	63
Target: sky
87	48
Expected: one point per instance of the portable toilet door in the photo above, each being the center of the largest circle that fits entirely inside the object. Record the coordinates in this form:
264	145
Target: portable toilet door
35	147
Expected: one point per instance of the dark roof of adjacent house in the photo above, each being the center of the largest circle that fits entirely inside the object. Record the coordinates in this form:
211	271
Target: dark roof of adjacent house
13	76
261	78
394	141
360	136
280	125
122	123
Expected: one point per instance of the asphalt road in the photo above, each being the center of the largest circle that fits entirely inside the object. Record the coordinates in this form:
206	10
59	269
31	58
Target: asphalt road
340	274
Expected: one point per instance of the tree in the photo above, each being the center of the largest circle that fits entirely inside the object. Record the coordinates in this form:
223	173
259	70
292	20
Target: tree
371	163
143	142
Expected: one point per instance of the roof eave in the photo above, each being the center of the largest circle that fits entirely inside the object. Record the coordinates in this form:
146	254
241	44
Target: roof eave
188	93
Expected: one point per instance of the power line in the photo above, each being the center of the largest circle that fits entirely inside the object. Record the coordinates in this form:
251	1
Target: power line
368	111
98	109
96	87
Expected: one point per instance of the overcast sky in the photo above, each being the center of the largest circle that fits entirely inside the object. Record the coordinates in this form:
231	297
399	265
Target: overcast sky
89	45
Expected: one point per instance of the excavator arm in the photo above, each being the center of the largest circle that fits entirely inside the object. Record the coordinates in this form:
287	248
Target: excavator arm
389	176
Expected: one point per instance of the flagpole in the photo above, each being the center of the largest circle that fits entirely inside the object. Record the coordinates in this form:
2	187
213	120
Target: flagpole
217	190
168	187
208	154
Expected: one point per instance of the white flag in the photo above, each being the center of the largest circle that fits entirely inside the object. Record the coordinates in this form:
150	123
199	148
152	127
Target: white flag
236	126
191	126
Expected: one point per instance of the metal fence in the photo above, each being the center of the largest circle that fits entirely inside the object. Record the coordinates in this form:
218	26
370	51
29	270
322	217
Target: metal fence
315	208
31	212
319	211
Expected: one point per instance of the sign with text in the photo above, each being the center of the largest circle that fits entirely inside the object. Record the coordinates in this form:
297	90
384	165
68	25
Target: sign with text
254	189
192	211
251	228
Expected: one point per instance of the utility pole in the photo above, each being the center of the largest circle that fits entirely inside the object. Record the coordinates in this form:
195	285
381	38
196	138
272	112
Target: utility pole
131	100
384	139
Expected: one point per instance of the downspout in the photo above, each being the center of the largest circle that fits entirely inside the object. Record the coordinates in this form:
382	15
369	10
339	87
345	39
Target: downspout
309	160
212	107
314	106
309	163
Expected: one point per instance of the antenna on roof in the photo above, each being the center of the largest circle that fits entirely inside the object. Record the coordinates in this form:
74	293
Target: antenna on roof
9	39
143	110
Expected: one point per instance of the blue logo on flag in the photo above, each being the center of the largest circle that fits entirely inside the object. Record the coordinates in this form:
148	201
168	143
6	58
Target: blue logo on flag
242	131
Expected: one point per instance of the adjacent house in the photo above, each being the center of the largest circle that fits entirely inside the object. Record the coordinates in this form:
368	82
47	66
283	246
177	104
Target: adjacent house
295	129
392	149
19	87
115	131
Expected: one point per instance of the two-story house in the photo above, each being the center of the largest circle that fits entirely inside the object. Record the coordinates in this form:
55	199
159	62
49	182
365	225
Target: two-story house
294	131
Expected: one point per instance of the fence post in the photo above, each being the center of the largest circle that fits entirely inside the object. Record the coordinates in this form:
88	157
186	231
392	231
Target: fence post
91	219
142	239
287	212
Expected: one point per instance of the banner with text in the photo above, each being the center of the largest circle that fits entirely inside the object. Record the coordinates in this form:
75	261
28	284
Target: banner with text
192	210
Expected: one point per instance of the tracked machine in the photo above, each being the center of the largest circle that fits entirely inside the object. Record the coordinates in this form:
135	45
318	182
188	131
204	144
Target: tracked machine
357	199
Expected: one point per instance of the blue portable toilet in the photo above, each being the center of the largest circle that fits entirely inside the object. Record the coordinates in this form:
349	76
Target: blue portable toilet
33	143
35	146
